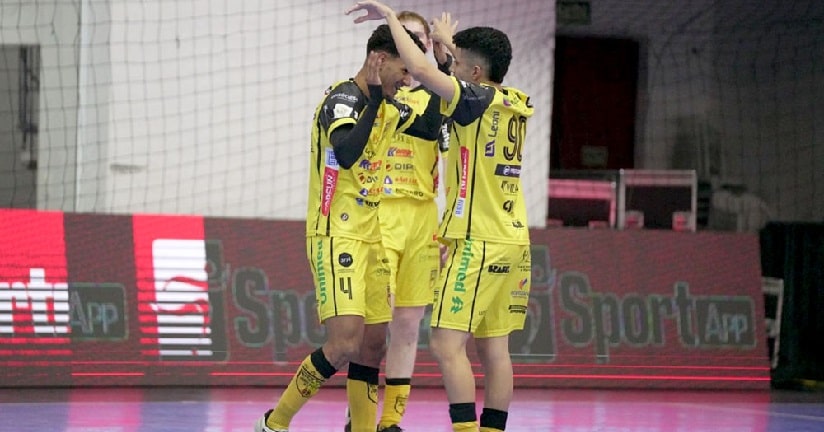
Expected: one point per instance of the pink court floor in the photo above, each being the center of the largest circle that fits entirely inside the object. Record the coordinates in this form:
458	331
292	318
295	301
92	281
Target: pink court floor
222	409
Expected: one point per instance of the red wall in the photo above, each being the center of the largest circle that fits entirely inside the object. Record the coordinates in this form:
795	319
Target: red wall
183	300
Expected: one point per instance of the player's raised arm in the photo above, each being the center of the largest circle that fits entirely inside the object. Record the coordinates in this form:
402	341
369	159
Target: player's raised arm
443	29
416	62
348	142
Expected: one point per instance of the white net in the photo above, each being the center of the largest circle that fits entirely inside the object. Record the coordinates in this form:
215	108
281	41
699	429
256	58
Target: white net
205	106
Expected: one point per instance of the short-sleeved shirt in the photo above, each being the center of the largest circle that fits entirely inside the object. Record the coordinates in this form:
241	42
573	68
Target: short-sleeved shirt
484	197
411	161
344	202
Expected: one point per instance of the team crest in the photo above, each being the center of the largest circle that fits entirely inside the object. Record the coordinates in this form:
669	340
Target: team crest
400	404
372	389
307	383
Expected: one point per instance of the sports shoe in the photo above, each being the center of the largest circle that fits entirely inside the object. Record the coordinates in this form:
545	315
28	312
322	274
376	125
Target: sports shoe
393	428
260	424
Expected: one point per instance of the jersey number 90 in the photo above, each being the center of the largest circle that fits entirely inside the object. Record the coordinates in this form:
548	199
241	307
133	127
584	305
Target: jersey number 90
516	131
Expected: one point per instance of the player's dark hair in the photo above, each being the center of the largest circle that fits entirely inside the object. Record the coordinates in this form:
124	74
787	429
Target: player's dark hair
381	40
491	45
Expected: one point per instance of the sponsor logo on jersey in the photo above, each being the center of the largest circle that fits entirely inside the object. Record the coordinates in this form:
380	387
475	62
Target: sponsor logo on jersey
341	111
508	170
329	182
493	129
344	96
508	205
498	268
370	166
489	149
399	152
345	259
510	187
400	167
461	203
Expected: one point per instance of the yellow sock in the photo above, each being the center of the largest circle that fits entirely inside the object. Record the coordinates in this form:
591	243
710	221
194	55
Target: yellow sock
395	396
312	373
490	429
463	416
362	393
465	427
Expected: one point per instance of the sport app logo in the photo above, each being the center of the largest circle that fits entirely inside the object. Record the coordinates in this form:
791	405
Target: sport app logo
34	290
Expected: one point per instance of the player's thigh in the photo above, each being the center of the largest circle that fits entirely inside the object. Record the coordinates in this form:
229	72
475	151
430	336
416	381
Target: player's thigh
420	262
460	298
508	300
344	270
378	304
408	228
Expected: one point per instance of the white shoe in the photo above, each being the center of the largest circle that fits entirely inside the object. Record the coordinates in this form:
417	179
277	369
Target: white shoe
260	424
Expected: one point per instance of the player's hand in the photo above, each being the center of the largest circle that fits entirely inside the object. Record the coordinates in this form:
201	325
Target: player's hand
375	10
440	52
443	29
444	254
374	62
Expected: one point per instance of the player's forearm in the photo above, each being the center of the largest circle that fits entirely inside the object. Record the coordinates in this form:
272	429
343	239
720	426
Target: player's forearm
412	56
348	144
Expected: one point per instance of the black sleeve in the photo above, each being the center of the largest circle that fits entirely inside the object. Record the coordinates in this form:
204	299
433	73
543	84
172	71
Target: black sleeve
446	67
347	141
428	125
472	102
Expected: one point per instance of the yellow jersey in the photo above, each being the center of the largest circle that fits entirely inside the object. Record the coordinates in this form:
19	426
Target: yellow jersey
412	162
344	202
484	196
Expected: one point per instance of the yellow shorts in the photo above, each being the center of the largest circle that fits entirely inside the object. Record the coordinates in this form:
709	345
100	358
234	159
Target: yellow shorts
483	289
409	231
351	278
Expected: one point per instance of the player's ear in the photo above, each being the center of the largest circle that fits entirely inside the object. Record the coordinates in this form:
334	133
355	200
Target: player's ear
477	73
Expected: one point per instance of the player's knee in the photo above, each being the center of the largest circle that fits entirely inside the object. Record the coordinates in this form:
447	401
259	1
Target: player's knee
372	351
405	326
341	351
442	348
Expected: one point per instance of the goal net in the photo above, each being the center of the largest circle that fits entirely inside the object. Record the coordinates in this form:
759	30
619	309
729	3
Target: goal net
205	106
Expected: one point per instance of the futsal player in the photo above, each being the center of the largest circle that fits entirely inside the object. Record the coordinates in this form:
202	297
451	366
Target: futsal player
350	133
484	288
409	223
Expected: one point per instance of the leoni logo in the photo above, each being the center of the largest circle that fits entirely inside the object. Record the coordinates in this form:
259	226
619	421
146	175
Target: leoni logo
489	149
